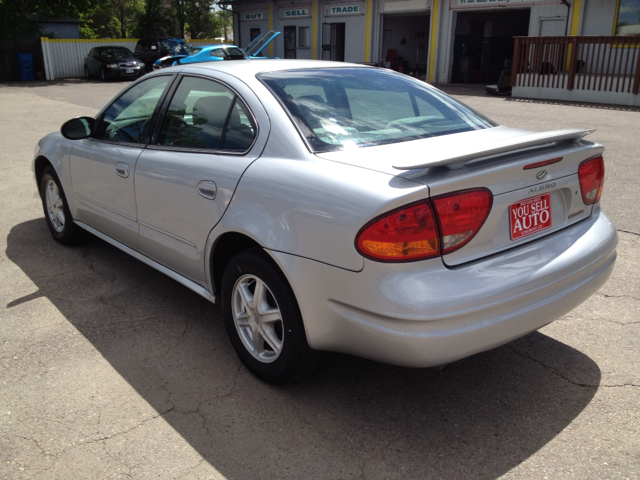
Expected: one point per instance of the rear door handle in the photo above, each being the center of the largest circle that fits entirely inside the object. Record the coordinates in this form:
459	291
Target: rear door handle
122	169
207	189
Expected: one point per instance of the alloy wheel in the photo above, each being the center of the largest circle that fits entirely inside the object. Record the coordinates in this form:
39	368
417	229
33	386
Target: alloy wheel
257	318
55	205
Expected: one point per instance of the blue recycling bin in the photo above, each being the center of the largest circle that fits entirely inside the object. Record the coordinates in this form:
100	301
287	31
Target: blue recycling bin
25	67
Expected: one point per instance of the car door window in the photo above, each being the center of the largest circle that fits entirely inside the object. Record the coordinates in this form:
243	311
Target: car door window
128	119
204	114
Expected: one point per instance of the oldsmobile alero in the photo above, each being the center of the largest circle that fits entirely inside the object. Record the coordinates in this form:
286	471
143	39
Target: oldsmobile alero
335	207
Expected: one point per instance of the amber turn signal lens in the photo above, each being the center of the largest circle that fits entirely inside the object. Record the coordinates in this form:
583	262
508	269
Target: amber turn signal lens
405	234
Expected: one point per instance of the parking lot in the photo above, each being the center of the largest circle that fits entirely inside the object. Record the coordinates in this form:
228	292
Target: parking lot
109	369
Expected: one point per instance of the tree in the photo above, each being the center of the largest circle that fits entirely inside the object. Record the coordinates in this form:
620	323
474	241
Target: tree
155	21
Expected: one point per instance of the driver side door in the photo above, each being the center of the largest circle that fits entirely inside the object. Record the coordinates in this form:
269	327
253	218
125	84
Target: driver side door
102	166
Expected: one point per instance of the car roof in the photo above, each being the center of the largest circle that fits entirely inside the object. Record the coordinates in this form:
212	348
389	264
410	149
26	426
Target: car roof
254	67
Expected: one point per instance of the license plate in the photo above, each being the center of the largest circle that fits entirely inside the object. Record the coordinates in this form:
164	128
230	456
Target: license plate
530	216
129	70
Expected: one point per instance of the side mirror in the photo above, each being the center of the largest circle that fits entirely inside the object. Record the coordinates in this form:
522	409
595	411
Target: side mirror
97	57
78	128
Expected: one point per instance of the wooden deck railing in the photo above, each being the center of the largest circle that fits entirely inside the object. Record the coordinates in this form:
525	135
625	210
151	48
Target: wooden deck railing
598	63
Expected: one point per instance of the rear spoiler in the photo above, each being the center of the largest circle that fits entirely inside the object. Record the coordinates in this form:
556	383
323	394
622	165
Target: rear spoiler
454	156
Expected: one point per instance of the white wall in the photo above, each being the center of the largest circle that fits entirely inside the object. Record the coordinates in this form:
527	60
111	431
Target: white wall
64	58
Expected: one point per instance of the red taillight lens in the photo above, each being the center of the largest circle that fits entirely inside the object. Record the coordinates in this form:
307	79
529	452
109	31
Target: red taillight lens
405	234
461	214
410	233
591	175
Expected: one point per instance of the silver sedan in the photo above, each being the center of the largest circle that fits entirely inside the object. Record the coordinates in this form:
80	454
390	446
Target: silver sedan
335	207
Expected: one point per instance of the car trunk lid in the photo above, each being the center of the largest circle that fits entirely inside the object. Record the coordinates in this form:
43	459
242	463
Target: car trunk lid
533	178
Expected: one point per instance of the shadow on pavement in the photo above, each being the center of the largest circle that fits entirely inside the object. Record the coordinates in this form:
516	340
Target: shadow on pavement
351	418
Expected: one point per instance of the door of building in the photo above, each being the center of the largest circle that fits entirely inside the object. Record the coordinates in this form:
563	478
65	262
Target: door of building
289	42
333	39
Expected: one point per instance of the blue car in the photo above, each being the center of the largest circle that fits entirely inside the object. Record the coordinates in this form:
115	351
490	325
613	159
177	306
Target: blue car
219	52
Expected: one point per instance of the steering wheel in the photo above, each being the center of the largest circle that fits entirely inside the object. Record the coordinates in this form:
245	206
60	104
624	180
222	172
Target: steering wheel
120	135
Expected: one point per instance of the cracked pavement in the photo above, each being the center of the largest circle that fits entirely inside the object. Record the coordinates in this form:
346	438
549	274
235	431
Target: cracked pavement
109	369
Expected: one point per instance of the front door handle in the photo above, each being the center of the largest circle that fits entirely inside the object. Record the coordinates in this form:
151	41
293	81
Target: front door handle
122	169
207	189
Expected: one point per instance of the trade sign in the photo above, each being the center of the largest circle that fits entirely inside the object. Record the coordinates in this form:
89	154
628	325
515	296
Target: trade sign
346	10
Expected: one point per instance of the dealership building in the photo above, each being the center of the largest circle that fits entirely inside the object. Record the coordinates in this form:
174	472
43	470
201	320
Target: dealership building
444	41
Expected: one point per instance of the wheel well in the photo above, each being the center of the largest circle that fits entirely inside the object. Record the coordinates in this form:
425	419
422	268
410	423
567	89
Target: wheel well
227	246
40	165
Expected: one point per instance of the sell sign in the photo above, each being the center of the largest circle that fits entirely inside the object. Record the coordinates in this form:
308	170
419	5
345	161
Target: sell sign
296	13
530	216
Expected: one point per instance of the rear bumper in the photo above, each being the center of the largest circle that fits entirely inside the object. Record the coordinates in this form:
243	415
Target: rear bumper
424	314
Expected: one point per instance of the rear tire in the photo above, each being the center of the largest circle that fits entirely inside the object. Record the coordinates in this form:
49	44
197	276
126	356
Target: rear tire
263	320
56	209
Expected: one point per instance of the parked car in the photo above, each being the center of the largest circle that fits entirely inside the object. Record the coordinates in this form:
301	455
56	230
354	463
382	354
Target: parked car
112	61
219	52
148	50
336	207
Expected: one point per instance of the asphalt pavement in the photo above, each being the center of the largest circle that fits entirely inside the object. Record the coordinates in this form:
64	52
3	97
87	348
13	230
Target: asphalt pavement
109	369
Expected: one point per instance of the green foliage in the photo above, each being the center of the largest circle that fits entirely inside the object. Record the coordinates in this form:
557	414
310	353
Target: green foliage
118	18
156	21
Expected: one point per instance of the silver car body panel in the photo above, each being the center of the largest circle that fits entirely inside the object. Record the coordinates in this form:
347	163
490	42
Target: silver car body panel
306	211
425	314
175	217
335	202
103	178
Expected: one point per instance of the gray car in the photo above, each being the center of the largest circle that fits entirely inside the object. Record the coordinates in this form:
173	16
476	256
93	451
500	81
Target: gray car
336	207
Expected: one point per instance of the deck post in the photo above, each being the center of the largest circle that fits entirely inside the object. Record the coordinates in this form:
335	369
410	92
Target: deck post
515	63
573	56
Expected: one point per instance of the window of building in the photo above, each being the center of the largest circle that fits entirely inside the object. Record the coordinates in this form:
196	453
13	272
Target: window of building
627	18
303	37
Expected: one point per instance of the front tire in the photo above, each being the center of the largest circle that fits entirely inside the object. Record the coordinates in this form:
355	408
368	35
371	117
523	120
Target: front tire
87	75
56	210
263	320
103	74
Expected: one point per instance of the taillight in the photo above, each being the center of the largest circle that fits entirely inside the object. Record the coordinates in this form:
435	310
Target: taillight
410	233
461	214
406	234
591	175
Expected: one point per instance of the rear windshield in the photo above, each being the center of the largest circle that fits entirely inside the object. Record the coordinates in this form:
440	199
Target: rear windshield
354	107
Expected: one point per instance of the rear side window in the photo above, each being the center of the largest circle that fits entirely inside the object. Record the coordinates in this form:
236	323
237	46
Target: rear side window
204	114
355	107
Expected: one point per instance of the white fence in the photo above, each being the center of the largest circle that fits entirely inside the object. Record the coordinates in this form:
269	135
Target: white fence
64	58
